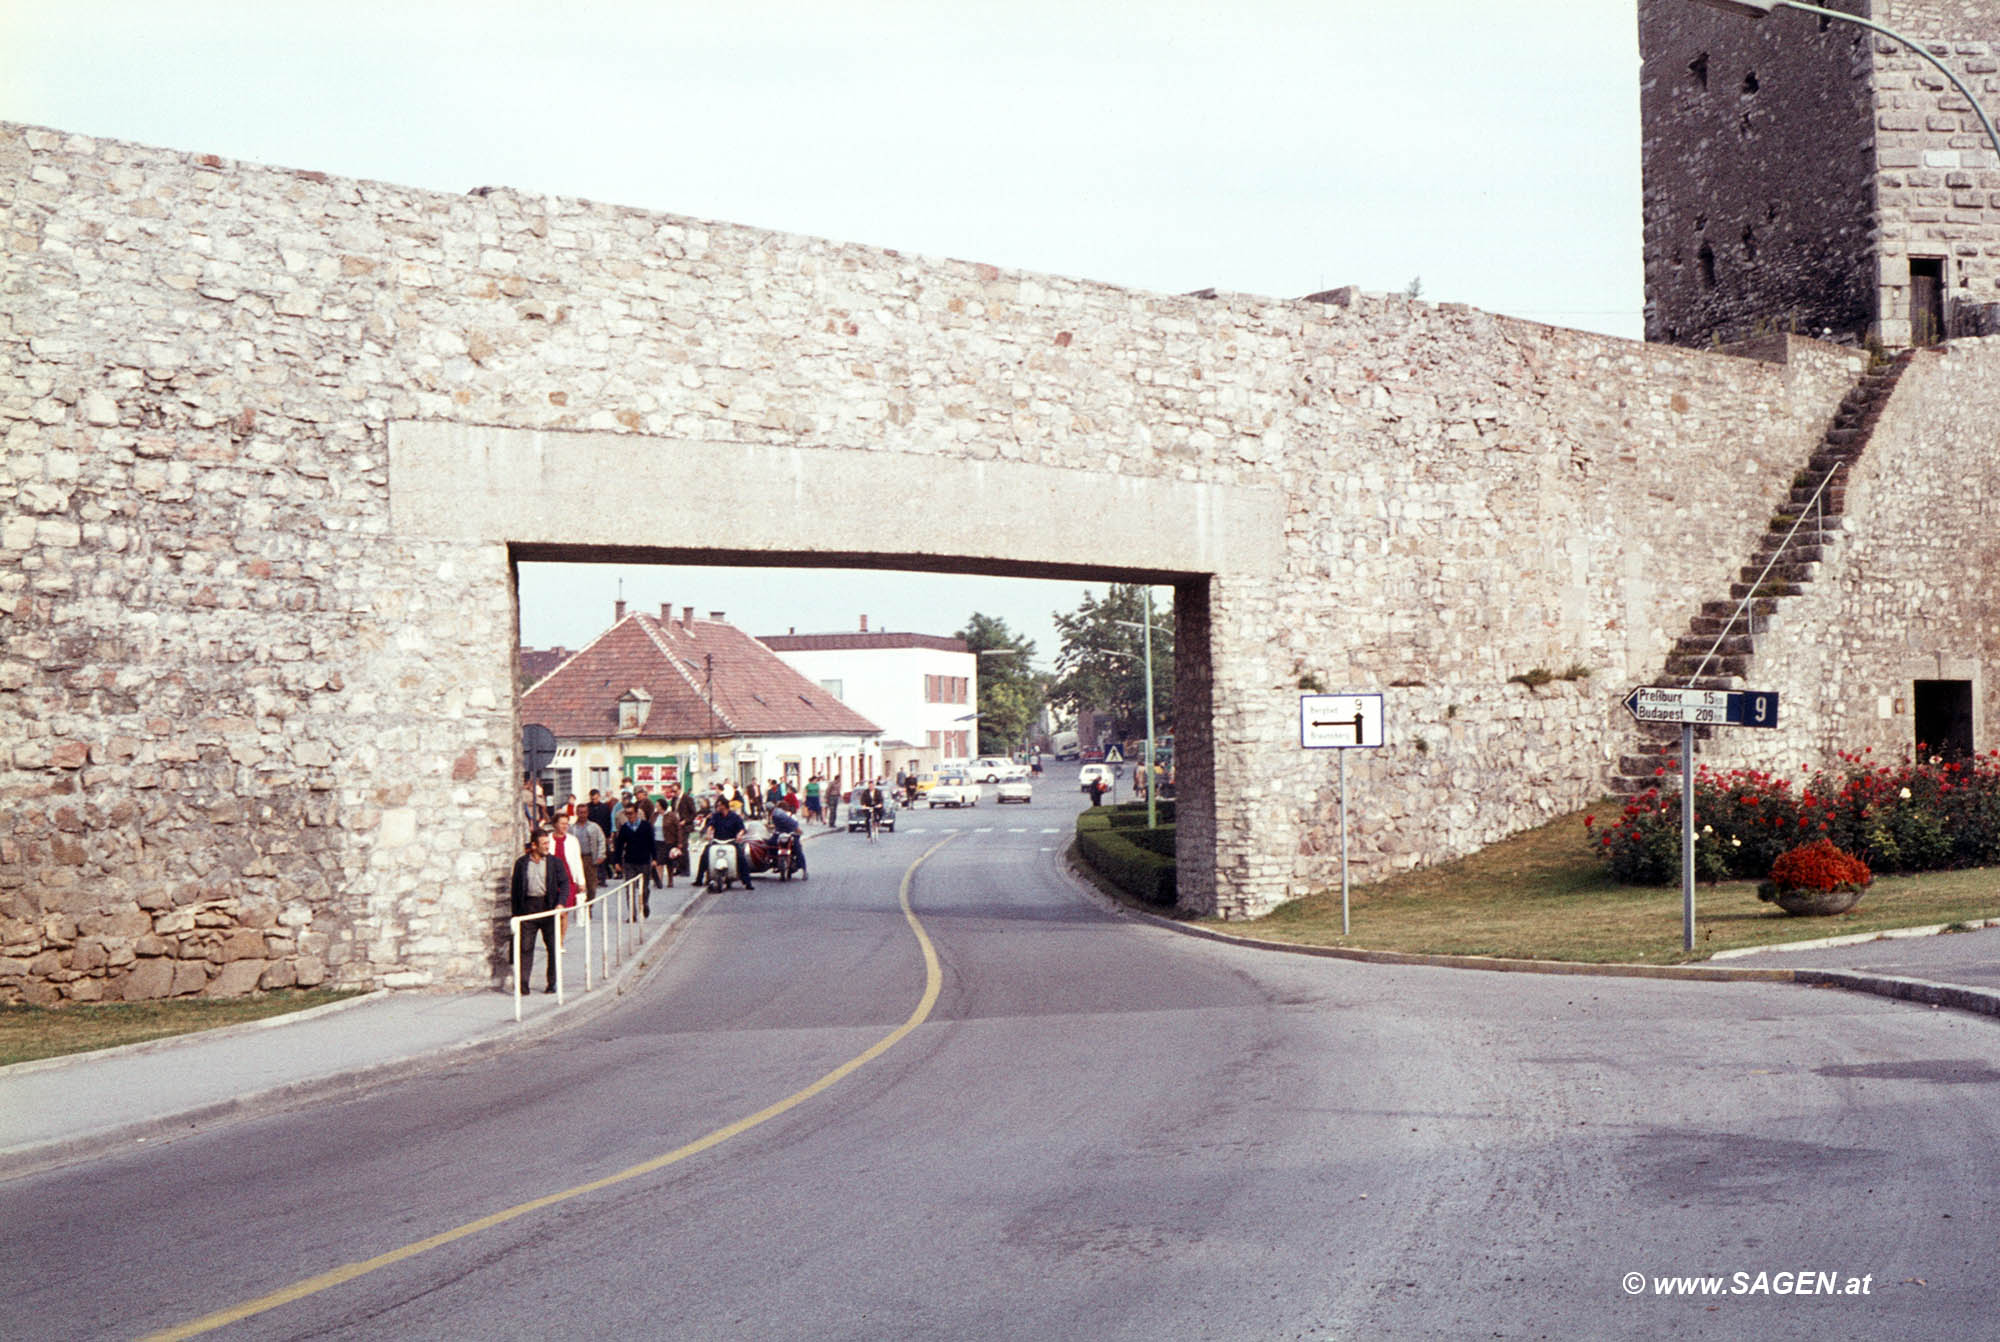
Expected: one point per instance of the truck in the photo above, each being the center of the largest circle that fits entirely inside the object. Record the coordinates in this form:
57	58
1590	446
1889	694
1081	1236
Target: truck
1064	745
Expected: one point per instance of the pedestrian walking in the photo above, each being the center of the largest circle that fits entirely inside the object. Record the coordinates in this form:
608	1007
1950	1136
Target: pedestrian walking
566	850
540	883
591	842
669	839
634	846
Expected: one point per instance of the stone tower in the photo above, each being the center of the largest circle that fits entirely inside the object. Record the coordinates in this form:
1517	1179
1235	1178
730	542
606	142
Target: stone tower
1809	175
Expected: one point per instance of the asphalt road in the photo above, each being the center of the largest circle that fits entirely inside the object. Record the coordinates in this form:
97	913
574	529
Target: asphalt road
1081	1127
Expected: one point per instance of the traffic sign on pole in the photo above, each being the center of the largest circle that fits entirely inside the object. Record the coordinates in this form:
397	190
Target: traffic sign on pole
1340	721
1690	708
1731	708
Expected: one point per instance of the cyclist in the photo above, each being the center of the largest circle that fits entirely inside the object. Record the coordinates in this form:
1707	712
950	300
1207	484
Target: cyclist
871	801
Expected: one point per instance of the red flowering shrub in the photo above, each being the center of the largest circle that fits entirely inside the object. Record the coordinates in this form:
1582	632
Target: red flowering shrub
1920	815
1819	866
1743	820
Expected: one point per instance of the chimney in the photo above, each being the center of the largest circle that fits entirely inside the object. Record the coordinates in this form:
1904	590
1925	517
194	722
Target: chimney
864	624
618	610
687	616
715	615
666	612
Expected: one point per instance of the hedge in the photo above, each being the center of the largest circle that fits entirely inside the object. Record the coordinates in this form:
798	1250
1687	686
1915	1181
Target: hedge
1138	861
1132	814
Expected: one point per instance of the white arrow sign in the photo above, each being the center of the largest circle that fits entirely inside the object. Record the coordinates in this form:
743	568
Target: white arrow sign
1340	721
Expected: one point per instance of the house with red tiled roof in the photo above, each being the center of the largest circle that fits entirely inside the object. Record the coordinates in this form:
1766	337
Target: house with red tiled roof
538	662
655	700
922	688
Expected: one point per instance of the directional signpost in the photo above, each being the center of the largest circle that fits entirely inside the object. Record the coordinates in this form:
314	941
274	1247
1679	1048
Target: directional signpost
1692	708
1732	708
1341	722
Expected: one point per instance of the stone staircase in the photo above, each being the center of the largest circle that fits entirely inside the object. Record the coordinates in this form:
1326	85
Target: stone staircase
1721	642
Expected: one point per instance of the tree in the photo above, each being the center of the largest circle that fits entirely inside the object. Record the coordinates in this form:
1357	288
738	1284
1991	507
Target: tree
1102	662
1011	691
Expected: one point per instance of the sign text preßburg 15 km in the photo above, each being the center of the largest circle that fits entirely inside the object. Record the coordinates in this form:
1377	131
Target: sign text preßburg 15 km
1734	708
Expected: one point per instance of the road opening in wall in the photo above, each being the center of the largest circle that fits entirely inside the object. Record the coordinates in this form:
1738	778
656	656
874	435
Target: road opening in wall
647	675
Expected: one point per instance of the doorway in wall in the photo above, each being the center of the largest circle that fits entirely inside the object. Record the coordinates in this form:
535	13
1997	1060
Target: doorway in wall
1942	710
1926	300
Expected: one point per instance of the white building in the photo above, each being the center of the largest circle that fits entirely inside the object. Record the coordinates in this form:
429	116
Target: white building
922	689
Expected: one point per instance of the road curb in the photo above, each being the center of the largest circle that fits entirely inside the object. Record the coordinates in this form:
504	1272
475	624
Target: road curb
1490	963
1976	1000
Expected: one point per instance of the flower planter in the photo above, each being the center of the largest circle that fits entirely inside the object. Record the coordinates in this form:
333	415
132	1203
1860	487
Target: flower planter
1815	903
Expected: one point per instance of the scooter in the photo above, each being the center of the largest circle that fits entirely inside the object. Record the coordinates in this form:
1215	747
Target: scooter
719	861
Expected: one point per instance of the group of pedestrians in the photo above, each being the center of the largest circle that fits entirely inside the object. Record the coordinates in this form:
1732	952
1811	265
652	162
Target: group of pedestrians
574	849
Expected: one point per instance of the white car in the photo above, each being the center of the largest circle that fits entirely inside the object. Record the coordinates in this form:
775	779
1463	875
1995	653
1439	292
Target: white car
951	790
1014	789
994	769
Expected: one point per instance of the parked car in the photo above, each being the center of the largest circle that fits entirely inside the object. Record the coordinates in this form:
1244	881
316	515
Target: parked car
1090	772
952	790
993	768
1014	789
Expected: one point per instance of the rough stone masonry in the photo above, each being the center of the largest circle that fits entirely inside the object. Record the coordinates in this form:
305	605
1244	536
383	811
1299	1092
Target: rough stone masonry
257	720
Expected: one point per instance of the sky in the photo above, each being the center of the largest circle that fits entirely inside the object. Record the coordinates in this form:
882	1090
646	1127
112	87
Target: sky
1486	151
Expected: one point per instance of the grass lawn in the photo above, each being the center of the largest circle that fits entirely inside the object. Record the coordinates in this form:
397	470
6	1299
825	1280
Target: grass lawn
1541	895
27	1033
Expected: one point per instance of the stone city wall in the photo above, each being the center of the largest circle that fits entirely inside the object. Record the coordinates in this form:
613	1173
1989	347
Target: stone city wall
256	734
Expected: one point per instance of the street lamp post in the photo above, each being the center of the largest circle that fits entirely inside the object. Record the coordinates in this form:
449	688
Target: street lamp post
1758	9
1152	792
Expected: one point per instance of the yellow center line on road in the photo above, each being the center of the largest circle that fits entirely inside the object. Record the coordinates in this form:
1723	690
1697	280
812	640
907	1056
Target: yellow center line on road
933	983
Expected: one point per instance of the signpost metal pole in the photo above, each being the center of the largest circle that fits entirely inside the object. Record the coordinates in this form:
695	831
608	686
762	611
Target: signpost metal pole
1687	836
1152	804
1343	842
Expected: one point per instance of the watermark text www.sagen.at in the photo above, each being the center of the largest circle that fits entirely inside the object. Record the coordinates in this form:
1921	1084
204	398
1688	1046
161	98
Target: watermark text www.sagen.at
1751	1283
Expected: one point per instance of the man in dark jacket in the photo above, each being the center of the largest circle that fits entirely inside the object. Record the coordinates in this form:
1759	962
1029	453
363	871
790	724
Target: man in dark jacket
541	882
635	853
725	826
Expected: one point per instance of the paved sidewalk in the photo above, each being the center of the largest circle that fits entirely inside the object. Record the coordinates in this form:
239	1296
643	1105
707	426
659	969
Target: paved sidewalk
86	1104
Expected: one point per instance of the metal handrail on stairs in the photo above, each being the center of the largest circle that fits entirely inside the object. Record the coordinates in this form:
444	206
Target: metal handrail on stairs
1813	510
